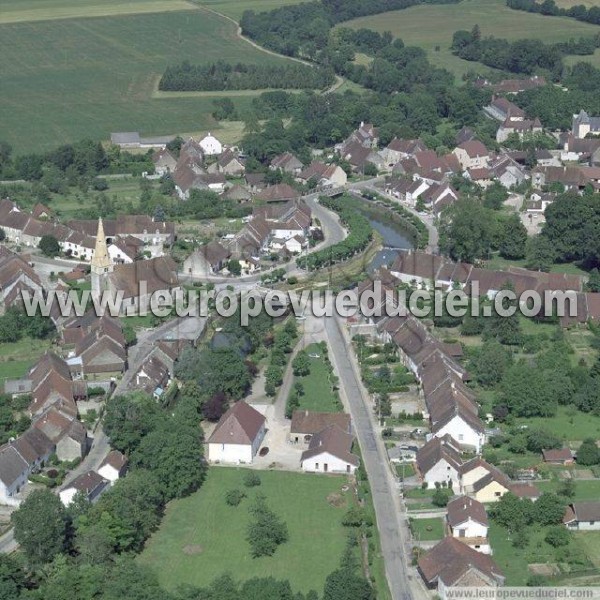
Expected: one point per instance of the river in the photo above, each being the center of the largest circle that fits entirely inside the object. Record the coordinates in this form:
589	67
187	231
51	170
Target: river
394	237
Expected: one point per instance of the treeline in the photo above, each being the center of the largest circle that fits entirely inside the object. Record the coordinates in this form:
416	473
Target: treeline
359	236
548	7
303	29
521	56
219	76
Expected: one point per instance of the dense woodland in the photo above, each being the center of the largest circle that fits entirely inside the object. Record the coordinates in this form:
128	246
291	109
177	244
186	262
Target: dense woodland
224	76
548	7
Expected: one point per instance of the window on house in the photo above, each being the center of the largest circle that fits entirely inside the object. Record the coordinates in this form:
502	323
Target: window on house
316	466
498	494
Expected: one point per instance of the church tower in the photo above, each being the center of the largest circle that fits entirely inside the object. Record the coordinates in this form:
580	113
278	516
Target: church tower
101	264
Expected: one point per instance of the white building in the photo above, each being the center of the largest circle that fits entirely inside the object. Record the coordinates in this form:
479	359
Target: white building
582	516
113	467
330	451
210	145
91	484
467	520
439	461
237	436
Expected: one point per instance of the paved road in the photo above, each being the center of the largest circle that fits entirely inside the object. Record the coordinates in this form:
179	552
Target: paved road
391	519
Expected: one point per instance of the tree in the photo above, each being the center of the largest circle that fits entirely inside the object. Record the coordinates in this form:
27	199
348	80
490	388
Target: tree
234	267
495	195
558	536
126	515
234	497
491	363
593	283
49	246
215	407
129	418
514	238
40	526
541	439
12	578
512	512
524	390
588	453
540	253
173	452
440	497
466	231
301	364
549	509
266	531
567	488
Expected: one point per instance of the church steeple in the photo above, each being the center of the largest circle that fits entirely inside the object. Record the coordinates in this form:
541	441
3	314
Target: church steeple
101	263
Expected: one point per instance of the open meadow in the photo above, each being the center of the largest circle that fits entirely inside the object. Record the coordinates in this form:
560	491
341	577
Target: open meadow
202	537
431	27
235	8
63	80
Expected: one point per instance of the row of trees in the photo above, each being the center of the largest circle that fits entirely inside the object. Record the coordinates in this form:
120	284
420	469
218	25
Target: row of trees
359	236
548	7
226	76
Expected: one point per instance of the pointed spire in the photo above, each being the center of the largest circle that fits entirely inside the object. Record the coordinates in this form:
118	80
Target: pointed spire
100	258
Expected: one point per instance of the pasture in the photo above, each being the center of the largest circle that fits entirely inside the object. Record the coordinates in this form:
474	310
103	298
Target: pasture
64	80
202	537
431	27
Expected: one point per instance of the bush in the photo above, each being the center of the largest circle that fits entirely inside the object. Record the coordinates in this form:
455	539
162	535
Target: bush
251	479
234	497
267	531
558	536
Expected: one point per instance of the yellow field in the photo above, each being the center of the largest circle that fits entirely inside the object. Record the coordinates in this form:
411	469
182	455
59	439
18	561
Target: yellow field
44	10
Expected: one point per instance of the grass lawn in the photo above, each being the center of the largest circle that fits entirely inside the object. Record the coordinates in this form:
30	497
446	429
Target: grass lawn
432	26
499	263
571	425
18	357
426	530
201	537
590	542
584	490
405	469
318	395
419	493
64	80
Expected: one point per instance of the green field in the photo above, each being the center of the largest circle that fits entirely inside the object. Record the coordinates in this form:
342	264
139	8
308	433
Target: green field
571	425
201	536
235	8
430	26
68	79
318	395
15	11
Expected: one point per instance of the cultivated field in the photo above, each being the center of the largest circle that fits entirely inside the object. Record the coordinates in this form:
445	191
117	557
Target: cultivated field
235	8
202	537
432	26
63	80
15	11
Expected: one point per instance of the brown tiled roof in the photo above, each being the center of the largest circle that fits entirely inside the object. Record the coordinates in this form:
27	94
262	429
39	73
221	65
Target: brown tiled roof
451	559
582	511
158	273
33	445
474	148
525	490
463	508
116	460
87	482
334	441
12	465
437	449
308	422
557	455
278	193
239	425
